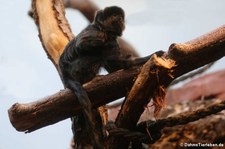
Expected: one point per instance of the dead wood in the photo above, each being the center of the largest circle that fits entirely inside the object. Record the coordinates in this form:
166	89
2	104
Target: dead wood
208	130
186	56
150	131
142	91
54	30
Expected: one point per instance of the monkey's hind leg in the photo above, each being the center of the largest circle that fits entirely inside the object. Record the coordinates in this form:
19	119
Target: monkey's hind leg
87	112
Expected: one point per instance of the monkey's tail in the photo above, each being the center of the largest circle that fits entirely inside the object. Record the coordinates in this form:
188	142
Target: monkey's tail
86	106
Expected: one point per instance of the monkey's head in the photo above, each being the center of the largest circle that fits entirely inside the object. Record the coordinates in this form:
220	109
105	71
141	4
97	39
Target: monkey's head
111	19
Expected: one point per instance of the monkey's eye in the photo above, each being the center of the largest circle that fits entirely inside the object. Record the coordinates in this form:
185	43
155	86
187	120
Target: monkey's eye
121	19
118	16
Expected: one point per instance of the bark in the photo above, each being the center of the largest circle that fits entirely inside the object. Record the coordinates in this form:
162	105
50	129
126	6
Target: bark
152	129
192	74
54	30
207	130
186	56
54	33
155	69
62	105
86	7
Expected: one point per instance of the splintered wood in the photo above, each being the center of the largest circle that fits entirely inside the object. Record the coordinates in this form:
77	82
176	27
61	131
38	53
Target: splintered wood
160	92
146	86
163	62
141	84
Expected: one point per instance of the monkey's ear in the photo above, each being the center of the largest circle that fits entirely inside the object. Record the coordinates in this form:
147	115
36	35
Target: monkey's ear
99	16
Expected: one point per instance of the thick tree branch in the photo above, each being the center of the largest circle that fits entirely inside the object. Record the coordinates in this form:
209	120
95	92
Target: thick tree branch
55	33
192	74
140	134
62	105
207	130
187	56
86	7
54	30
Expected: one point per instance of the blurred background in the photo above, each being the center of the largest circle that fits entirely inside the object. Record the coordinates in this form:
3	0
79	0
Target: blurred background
26	74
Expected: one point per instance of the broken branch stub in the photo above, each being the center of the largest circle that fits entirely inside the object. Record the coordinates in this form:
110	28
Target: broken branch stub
188	56
147	85
142	89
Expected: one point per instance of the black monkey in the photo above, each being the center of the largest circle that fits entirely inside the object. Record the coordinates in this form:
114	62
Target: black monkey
96	46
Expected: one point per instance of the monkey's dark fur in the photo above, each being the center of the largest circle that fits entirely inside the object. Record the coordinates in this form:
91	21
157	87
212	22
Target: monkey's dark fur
96	46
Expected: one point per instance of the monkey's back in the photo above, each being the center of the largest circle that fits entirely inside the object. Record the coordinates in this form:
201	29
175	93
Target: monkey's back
83	54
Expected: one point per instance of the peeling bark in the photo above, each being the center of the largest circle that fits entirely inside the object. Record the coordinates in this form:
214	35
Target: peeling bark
54	30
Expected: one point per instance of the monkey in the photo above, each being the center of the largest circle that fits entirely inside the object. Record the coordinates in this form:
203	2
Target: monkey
94	47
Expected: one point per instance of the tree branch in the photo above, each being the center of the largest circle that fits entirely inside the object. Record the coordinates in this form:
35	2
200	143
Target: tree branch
154	127
86	7
192	74
62	105
187	56
155	69
54	30
55	33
